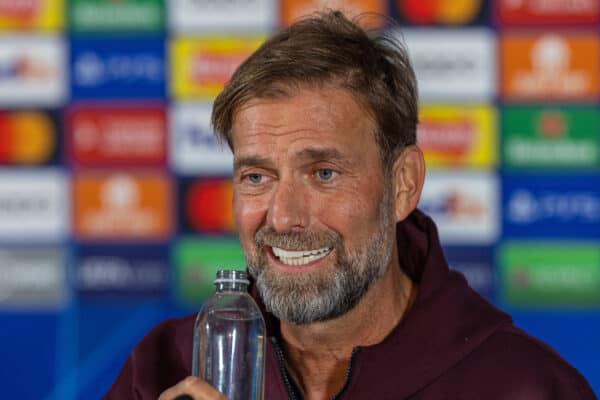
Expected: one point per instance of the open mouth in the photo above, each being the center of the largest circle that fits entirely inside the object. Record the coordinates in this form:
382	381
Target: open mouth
300	257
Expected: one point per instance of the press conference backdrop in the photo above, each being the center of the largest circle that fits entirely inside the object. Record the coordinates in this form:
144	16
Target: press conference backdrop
115	198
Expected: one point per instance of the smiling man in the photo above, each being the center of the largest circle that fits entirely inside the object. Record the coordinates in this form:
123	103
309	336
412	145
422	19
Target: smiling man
357	296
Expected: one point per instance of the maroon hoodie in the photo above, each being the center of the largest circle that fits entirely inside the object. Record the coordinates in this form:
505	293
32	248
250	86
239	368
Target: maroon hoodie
452	344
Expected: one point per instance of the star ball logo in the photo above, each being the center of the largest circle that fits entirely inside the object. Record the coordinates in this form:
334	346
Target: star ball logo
551	206
125	68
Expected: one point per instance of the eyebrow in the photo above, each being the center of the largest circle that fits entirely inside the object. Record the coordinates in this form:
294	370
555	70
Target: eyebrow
321	154
310	154
251	161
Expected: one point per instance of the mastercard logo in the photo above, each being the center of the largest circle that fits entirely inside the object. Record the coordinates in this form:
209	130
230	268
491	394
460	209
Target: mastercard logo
208	206
26	137
452	12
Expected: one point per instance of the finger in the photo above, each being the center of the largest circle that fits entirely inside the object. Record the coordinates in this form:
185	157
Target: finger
194	387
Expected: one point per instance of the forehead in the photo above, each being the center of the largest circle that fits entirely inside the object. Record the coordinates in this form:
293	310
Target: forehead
308	115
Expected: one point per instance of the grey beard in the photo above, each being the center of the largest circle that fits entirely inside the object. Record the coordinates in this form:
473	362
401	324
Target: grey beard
324	294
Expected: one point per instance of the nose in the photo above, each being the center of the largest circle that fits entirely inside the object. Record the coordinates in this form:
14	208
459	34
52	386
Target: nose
289	209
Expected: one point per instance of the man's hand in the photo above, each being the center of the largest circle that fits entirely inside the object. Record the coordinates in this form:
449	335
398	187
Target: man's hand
195	388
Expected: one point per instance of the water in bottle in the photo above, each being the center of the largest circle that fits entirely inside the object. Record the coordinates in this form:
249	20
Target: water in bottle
229	340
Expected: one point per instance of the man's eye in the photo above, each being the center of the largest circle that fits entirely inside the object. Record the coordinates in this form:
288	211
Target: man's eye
254	178
325	174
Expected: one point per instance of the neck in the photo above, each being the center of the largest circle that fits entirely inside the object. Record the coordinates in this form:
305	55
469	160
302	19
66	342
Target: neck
318	354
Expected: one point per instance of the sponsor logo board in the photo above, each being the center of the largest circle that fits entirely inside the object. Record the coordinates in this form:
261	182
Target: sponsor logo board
549	66
110	15
28	137
32	70
458	135
46	15
117	135
292	10
125	68
550	274
131	271
541	12
551	206
476	263
458	64
197	261
200	66
194	147
215	16
444	12
464	205
551	136
33	205
207	205
33	278
122	206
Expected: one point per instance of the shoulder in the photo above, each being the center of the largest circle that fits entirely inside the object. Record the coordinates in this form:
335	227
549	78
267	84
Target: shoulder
512	344
170	334
529	367
168	344
160	359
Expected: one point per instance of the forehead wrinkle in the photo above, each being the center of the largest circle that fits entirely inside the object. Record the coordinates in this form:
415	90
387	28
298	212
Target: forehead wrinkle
312	115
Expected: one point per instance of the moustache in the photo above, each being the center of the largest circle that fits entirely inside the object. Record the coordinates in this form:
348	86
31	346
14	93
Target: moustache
266	236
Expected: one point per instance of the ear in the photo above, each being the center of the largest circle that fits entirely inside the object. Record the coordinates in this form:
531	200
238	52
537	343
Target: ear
408	176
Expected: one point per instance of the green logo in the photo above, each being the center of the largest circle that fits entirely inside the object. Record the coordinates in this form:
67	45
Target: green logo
121	15
550	274
560	136
197	261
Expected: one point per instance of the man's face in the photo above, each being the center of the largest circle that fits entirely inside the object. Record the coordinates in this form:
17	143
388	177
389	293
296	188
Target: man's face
313	210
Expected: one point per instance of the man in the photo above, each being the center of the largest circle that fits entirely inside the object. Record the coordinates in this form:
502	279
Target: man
358	298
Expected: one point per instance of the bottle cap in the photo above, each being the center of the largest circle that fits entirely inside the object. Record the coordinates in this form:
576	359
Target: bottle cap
231	276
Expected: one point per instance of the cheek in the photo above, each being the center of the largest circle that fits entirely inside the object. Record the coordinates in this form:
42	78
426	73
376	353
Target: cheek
249	217
353	215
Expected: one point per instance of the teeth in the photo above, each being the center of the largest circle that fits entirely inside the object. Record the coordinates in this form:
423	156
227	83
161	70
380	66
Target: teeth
300	257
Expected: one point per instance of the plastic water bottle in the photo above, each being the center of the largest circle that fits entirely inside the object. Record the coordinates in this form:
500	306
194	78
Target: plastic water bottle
229	340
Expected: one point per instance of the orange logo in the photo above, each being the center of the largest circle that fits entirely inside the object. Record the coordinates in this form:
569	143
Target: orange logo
26	137
292	10
122	206
563	67
439	11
